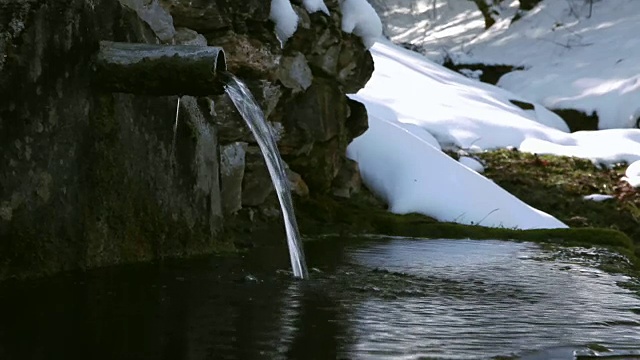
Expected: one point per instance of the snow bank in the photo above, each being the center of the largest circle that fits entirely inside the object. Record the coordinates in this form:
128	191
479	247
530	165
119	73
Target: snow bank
285	18
457	111
413	176
416	107
359	18
604	147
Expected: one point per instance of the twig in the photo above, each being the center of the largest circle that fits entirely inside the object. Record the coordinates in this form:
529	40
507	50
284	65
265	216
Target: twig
486	216
459	216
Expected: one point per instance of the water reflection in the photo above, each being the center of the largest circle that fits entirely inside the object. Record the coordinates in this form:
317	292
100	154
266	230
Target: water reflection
397	298
314	325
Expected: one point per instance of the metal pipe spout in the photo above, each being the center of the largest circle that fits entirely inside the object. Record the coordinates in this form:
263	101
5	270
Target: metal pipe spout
149	69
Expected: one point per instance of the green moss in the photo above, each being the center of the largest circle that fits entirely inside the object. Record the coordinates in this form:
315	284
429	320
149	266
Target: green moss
362	215
123	220
120	218
557	185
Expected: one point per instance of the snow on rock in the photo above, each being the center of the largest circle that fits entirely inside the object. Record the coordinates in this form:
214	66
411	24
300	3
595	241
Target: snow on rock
472	164
597	197
413	176
285	18
359	18
313	6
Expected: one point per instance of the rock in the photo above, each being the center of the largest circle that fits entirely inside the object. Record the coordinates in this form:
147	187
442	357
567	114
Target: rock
522	104
528	4
298	186
294	73
358	120
248	57
256	184
334	54
230	124
207	184
578	120
91	178
186	36
206	16
271	212
488	73
315	124
320	166
348	181
232	163
318	114
267	95
231	127
6	212
355	66
155	15
326	63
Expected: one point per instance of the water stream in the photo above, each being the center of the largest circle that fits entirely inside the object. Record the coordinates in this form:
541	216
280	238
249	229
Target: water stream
386	298
254	117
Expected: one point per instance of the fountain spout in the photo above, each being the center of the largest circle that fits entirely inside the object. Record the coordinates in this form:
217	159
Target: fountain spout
160	69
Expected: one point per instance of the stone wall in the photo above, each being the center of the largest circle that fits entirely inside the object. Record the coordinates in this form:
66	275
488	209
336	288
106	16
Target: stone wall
90	178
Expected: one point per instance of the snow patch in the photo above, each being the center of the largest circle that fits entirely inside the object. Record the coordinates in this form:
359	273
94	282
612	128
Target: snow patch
598	197
633	169
472	164
632	174
359	18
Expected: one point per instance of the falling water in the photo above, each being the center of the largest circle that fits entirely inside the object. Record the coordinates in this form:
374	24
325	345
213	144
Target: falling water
253	116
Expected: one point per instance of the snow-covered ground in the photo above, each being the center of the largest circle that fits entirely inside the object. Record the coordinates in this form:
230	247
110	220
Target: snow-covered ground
416	107
434	25
571	60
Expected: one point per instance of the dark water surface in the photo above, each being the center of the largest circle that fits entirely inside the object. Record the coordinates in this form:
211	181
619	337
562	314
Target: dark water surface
387	298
